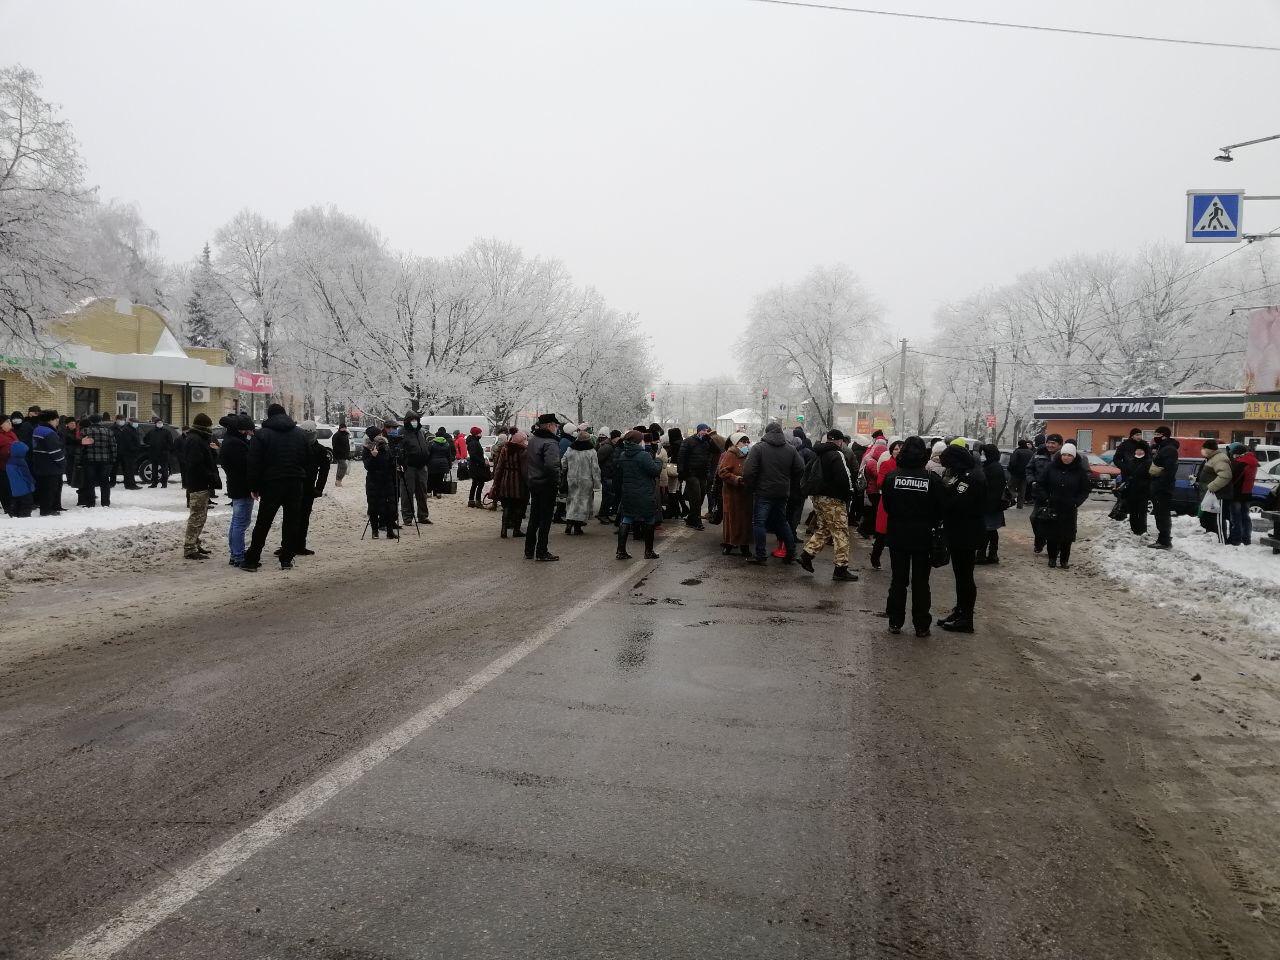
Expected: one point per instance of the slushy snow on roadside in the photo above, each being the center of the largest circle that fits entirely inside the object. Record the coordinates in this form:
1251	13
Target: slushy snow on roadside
129	508
1233	591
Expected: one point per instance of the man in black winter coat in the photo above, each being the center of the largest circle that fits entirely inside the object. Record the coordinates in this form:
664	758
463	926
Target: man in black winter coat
1019	461
606	451
831	505
1124	452
1164	471
312	487
964	485
233	457
768	472
128	445
913	499
159	444
414	449
199	466
277	471
696	462
542	472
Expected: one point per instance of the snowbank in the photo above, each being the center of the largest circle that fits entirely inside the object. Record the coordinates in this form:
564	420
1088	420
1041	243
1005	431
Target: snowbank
1232	591
129	508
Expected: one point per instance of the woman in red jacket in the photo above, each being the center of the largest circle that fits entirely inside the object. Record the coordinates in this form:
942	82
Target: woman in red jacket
888	463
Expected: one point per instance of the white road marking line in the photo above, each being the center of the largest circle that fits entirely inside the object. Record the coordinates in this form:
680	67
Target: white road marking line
190	881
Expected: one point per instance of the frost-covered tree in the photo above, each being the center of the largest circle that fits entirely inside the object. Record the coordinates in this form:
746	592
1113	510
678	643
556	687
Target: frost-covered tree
808	333
250	276
121	255
43	202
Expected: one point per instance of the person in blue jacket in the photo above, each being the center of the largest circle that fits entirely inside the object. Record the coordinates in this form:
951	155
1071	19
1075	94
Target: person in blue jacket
22	485
47	462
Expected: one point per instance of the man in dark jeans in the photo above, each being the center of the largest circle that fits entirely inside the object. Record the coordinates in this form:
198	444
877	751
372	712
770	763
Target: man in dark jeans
1164	471
695	463
277	472
542	470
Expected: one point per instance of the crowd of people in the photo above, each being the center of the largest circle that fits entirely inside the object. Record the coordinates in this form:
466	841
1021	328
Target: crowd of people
41	452
926	502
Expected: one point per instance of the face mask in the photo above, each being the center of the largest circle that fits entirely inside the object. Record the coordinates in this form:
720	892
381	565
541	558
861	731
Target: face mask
744	447
1138	454
17	421
413	424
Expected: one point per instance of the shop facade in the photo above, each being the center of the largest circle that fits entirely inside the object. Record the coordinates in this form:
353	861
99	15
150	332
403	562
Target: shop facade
114	356
1100	423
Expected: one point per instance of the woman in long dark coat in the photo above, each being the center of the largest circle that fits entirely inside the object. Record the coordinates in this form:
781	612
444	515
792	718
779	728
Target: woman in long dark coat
1136	493
1064	488
735	500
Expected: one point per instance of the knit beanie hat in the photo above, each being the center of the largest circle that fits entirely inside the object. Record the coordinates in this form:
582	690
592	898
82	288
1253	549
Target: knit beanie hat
938	448
476	431
1068	450
202	420
633	436
960	442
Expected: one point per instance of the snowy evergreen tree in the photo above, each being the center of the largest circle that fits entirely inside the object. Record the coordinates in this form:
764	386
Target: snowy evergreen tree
202	327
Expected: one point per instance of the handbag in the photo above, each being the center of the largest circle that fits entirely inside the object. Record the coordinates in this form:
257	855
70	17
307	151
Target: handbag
1008	499
1043	513
1119	511
464	470
939	553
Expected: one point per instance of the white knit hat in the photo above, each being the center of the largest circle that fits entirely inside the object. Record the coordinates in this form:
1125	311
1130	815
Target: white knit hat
1068	449
938	448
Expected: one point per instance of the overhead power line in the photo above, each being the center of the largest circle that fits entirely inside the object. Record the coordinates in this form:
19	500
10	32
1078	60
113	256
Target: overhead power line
1005	25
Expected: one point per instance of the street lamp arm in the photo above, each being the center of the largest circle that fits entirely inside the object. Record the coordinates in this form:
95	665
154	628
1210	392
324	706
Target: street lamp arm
1225	152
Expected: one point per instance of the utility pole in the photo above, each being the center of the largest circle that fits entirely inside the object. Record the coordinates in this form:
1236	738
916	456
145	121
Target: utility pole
902	392
991	428
716	411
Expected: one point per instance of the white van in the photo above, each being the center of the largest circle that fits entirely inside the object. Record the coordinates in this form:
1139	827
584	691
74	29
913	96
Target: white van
1266	452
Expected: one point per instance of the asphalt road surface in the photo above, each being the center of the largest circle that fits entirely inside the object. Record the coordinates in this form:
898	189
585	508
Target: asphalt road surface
437	749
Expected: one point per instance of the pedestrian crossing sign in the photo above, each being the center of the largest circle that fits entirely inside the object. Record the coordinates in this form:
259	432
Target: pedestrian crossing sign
1215	216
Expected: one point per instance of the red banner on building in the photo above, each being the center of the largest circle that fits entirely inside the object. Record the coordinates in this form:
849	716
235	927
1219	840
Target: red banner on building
247	382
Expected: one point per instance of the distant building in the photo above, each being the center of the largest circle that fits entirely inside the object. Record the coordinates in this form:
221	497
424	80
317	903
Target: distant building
119	357
1100	423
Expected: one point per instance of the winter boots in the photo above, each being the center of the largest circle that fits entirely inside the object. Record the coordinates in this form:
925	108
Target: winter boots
958	621
842	575
806	561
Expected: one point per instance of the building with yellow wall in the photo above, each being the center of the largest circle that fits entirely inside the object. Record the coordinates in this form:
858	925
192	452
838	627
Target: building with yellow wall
114	356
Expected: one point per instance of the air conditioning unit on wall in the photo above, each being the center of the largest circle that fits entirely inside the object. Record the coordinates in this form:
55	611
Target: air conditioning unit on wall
199	394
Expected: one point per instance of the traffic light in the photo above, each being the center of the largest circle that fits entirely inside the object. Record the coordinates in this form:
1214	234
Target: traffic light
765	395
652	396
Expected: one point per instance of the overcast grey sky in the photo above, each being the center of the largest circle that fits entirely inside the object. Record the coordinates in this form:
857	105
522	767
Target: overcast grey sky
679	155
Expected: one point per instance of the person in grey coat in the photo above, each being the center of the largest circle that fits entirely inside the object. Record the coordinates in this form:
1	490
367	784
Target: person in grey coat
580	469
768	473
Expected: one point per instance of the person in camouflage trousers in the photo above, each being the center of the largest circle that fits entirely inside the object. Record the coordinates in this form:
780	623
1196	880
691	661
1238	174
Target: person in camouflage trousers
831	491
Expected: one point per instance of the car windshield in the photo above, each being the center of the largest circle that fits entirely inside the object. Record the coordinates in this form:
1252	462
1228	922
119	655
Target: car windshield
1094	458
323	434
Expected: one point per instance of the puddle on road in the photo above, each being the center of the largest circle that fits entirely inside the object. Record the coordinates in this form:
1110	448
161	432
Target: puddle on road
634	651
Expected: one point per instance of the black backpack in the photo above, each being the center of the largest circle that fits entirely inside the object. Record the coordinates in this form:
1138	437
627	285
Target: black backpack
811	482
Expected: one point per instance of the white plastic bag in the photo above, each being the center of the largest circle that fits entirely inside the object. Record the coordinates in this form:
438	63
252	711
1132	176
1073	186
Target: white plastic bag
1210	504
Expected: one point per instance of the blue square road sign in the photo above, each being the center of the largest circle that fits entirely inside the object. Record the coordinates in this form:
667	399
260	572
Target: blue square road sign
1215	216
